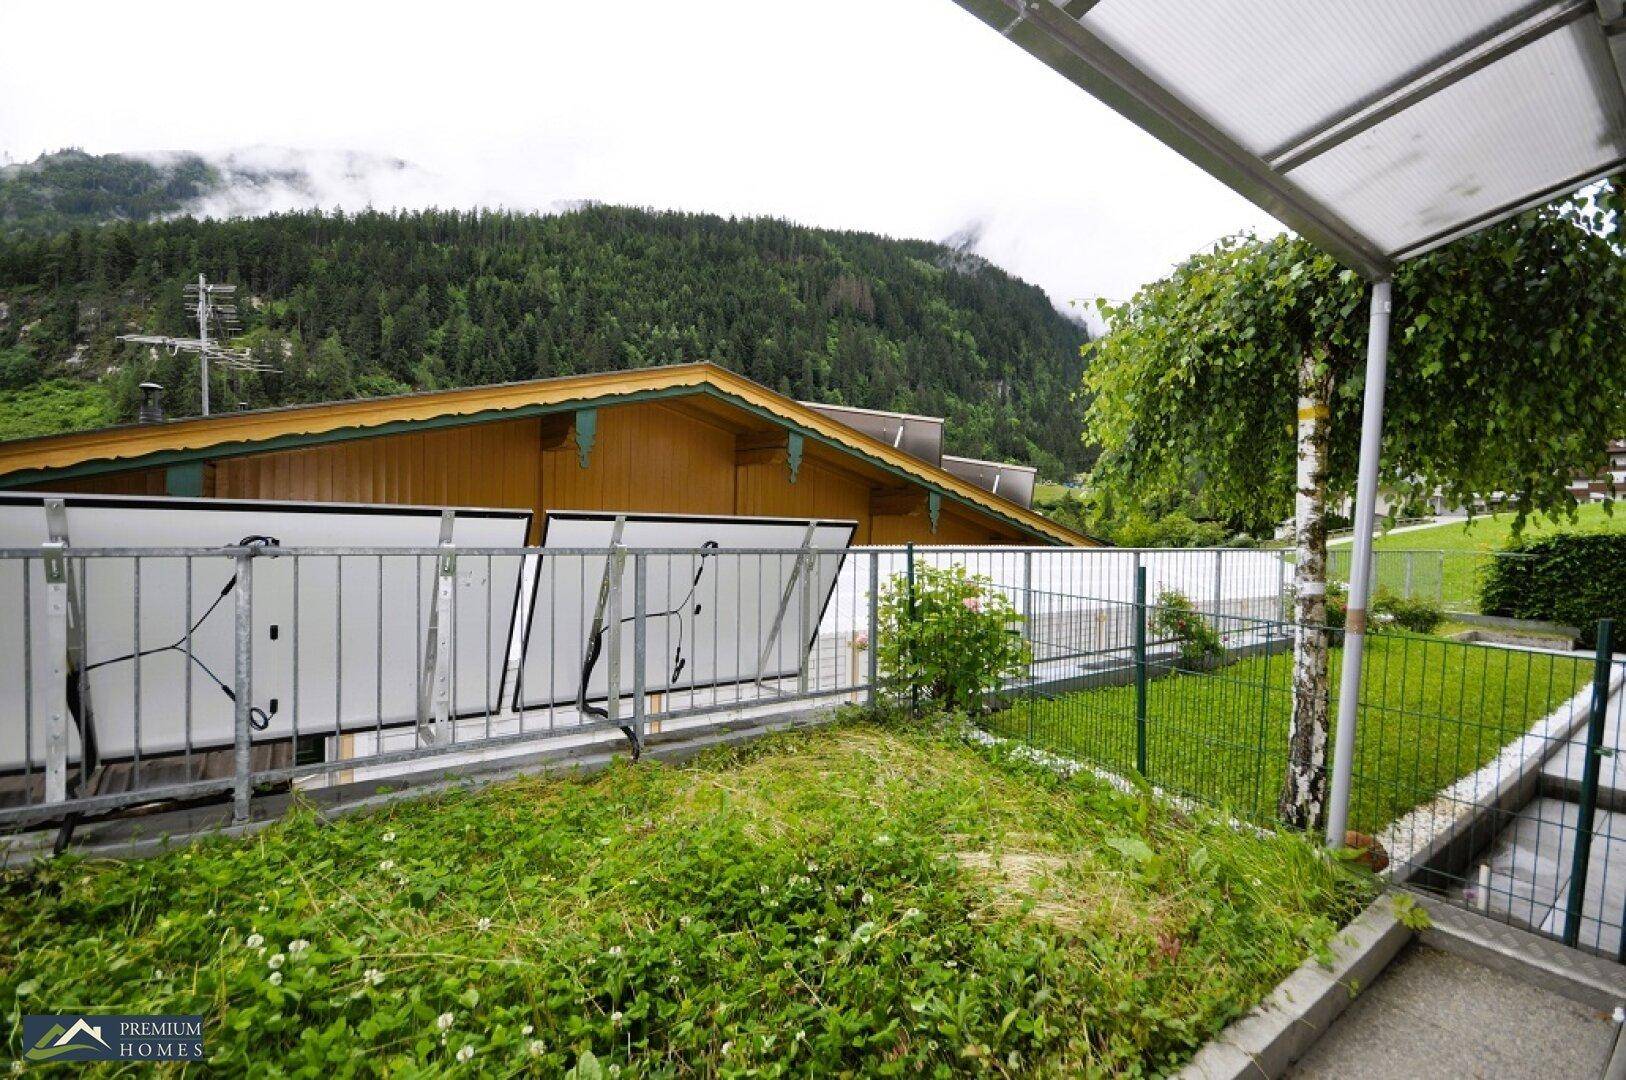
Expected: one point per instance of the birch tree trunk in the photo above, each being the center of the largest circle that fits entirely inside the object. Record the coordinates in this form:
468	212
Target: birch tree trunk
1303	801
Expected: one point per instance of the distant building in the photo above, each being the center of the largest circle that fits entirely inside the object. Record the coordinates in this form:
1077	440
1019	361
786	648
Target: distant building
1611	485
688	438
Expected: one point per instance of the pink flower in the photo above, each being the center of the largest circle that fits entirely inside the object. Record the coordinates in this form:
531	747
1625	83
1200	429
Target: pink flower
972	603
860	641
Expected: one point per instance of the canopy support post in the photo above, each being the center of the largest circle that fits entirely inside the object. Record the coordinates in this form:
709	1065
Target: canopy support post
1366	501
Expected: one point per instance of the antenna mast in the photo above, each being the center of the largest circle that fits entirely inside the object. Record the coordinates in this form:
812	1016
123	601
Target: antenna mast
216	308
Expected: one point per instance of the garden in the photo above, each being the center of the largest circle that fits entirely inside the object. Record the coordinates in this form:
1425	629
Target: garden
866	898
1432	711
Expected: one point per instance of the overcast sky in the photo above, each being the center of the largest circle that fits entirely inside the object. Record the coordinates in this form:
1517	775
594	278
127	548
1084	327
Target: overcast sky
906	117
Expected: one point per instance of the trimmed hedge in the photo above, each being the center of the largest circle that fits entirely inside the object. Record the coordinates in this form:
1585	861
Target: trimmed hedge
1570	578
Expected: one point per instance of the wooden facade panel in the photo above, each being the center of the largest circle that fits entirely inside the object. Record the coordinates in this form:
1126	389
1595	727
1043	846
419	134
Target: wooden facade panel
481	465
645	457
764	490
131	482
651	457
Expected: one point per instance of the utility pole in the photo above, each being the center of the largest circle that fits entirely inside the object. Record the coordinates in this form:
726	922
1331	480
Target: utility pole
215	307
203	339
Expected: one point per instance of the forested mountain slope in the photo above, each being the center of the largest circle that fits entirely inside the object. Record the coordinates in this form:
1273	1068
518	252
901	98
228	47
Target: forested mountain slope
377	303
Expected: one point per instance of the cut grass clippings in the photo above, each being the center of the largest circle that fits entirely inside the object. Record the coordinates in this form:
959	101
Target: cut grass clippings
1432	711
859	899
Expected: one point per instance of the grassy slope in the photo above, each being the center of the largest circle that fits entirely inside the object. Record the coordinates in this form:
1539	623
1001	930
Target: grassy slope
1492	532
1466	546
1434	710
56	405
855	898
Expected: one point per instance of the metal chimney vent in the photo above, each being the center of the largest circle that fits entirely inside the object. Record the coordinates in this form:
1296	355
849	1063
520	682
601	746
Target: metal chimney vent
152	403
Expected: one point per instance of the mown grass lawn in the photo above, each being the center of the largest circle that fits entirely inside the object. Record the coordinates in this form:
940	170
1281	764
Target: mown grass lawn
855	900
1434	711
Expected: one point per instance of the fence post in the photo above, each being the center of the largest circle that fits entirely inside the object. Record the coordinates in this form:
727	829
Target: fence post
909	577
640	583
1140	670
243	683
56	690
1027	596
1219	590
874	624
1589	785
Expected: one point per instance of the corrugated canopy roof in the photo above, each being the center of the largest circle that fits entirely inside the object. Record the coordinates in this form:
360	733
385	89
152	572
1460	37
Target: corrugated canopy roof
1378	129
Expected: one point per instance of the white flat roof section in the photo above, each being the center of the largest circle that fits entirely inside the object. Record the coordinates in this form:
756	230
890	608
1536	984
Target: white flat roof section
1378	130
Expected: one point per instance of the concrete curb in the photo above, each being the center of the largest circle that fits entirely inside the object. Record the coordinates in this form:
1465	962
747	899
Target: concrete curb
1280	1029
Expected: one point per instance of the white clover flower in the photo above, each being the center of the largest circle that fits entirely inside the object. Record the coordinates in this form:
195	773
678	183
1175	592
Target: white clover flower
727	1046
615	1017
883	840
297	946
912	913
484	924
255	941
867	899
800	1036
951	964
373	976
527	1030
763	889
276	961
537	1047
685	920
387	865
819	939
276	978
444	1020
389	837
264	908
812	867
615	950
466	1053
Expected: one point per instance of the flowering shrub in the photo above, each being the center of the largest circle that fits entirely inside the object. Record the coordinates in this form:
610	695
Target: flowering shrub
1175	617
960	640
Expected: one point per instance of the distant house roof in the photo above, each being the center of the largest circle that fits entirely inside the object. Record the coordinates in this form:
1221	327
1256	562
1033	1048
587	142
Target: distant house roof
53	457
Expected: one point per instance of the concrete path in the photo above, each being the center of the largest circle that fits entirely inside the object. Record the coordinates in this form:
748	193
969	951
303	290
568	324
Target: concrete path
1398	529
1432	1014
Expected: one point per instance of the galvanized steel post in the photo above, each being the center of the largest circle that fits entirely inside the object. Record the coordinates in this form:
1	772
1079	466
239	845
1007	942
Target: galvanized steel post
243	684
640	586
1360	570
56	688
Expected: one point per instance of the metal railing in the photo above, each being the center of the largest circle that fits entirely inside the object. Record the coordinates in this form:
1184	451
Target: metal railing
137	675
1486	774
1451	579
142	675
